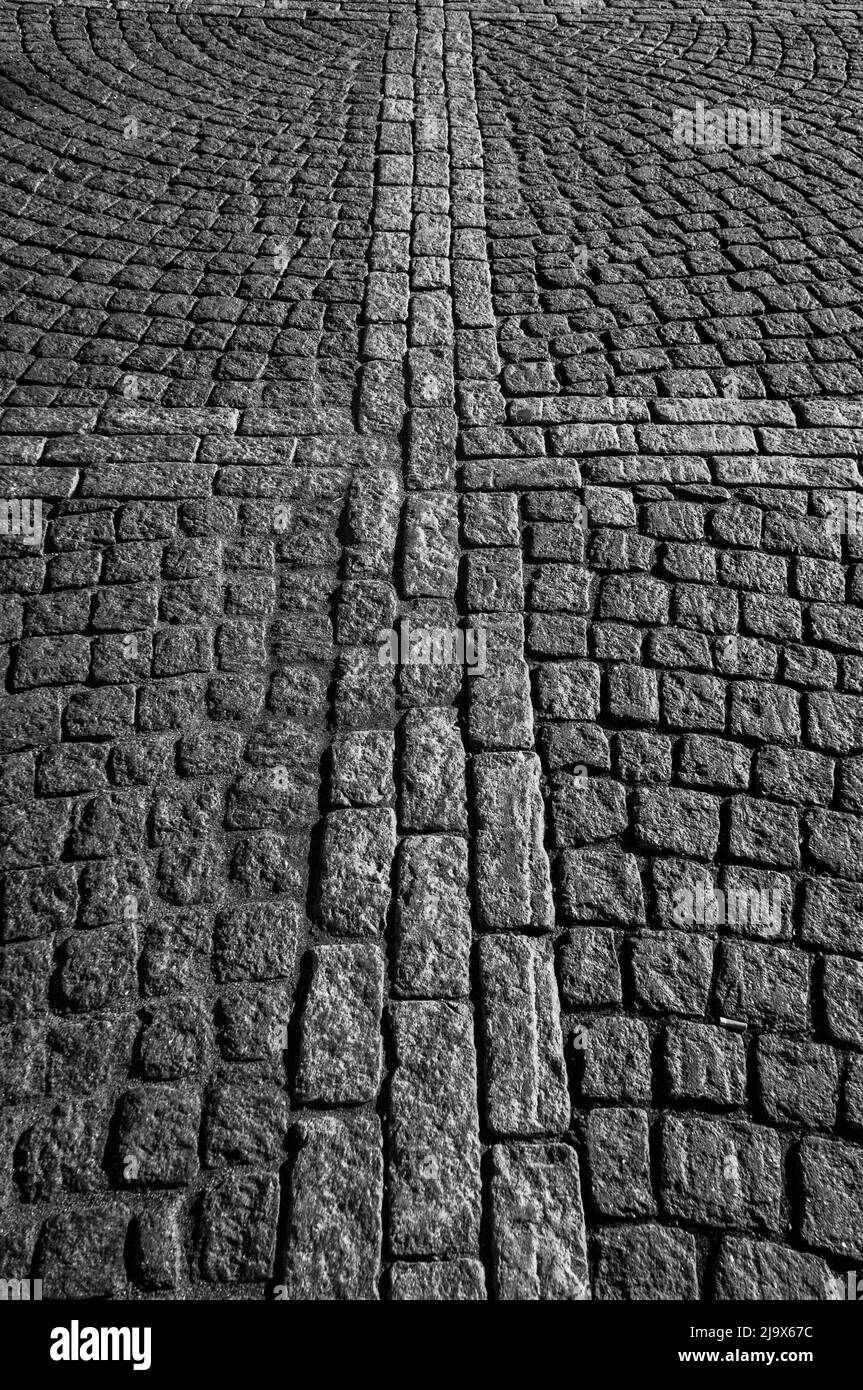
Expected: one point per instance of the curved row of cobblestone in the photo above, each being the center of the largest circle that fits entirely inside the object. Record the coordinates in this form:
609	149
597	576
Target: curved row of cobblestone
206	194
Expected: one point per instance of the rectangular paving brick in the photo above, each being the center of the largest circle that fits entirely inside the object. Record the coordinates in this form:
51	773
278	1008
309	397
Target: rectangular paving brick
430	557
433	1165
500	707
539	1242
697	439
717	1173
432	789
450	1281
576	440
513	885
354	891
718	410
432	917
333	1236
523	1065
749	1269
340	1036
832	1210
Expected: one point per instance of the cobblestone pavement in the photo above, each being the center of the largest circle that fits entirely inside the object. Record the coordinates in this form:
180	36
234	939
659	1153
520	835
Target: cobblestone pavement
332	969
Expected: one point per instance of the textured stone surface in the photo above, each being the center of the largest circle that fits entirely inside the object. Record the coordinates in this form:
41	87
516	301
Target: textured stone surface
81	1254
357	857
589	969
325	323
537	1223
832	1214
340	1050
432	772
334	1223
704	1063
646	1262
433	1132
716	1172
432	917
513	884
749	1269
523	1066
619	1163
452	1281
237	1228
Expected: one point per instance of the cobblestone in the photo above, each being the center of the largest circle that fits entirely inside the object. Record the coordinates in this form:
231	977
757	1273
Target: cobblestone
334	1238
536	1205
339	1058
337	968
434	1139
525	1076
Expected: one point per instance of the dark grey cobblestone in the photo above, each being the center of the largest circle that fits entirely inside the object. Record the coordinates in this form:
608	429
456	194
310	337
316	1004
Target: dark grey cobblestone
330	970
